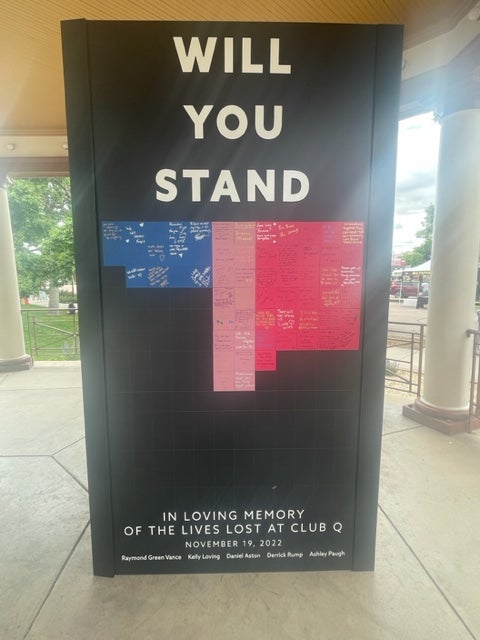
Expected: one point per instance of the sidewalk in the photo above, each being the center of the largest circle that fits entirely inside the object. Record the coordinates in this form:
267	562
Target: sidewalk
425	586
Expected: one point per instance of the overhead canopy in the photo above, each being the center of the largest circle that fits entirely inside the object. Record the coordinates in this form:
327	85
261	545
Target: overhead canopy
31	70
421	268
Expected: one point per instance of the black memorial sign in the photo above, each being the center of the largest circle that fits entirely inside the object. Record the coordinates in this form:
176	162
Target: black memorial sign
233	195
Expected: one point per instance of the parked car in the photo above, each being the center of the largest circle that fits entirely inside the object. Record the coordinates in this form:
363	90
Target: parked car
404	289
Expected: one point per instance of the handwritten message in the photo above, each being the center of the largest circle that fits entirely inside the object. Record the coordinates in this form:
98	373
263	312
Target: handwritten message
289	286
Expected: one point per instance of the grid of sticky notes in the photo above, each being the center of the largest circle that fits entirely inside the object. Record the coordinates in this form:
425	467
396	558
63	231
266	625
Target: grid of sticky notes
276	286
234	248
160	254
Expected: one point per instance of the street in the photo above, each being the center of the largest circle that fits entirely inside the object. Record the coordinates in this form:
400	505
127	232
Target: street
404	310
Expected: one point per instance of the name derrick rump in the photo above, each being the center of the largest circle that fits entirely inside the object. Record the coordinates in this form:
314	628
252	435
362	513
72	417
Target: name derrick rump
199	184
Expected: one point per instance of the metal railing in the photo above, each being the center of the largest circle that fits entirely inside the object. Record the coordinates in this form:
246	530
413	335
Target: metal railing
52	334
404	364
474	404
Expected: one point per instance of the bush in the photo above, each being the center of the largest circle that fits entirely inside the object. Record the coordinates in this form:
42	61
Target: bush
66	297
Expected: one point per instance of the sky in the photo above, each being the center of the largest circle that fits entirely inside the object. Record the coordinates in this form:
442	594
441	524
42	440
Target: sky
418	141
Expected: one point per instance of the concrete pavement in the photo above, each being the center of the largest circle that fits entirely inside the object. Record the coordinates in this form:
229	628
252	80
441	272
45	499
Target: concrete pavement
425	585
404	310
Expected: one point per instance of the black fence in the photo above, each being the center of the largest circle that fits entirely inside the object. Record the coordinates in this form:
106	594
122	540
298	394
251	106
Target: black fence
404	364
474	412
51	334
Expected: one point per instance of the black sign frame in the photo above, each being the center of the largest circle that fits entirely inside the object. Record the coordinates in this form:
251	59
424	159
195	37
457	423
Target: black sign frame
88	166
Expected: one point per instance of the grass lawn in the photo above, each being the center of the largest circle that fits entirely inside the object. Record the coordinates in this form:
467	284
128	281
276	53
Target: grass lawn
50	336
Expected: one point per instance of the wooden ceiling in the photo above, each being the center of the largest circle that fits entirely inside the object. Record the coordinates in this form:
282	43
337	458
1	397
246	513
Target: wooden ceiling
31	81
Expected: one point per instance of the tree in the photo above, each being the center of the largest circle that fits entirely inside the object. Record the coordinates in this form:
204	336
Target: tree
423	252
41	215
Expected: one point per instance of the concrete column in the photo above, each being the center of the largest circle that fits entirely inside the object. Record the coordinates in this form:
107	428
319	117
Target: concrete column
12	343
455	253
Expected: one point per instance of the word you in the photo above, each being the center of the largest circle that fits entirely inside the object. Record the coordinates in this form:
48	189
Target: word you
232	123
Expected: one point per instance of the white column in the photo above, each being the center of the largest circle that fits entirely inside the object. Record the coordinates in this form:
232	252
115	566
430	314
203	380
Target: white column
12	343
455	253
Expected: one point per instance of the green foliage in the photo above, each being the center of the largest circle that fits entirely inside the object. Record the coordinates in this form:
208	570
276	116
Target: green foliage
423	252
42	231
65	297
30	276
57	254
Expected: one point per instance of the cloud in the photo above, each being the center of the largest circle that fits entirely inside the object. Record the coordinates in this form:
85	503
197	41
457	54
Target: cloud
416	180
414	192
417	157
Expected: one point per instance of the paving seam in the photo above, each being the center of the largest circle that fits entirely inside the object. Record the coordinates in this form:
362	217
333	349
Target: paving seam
69	473
55	580
426	571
